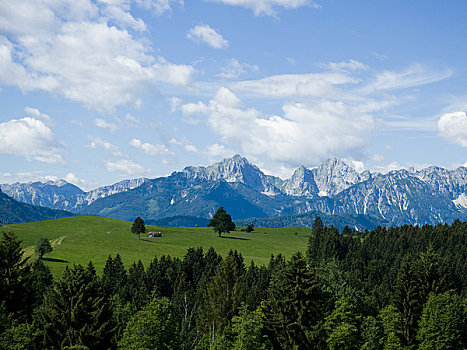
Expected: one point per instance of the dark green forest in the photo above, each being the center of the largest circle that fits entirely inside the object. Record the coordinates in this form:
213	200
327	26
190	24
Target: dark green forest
389	288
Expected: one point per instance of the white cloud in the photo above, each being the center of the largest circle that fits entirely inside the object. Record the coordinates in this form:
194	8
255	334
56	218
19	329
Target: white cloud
268	7
295	85
151	149
351	65
34	112
125	166
415	75
132	121
81	183
234	69
216	151
386	168
205	34
191	148
358	166
159	7
101	123
96	143
32	139
453	127
304	134
81	50
377	157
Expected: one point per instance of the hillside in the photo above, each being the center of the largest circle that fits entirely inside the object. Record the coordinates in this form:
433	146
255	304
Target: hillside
354	221
13	211
80	239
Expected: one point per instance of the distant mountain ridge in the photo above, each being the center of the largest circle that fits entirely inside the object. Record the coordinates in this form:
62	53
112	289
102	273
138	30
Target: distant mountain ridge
429	195
13	211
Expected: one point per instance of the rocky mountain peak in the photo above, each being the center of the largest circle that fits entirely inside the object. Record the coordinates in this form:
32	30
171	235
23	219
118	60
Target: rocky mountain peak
334	176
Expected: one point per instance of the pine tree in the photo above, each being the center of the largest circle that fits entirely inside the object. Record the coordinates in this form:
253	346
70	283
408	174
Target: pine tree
14	276
444	323
74	312
295	306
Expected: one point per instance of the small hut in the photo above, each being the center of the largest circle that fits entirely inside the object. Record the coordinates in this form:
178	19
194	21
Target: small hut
155	234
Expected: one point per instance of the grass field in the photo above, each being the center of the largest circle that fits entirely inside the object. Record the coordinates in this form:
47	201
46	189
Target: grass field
77	240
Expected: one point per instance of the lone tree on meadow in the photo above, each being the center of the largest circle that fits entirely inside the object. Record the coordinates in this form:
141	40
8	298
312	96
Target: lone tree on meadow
43	246
138	227
222	222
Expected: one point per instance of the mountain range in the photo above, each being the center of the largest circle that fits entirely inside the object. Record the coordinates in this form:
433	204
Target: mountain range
13	211
430	195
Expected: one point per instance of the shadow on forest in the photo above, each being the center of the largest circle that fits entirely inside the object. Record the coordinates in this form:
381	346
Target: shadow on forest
55	260
240	238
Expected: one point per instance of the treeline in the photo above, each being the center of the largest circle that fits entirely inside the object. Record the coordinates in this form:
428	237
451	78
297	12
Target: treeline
395	288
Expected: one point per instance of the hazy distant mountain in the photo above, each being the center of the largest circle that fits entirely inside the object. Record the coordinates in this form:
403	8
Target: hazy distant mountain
13	211
52	194
430	195
63	195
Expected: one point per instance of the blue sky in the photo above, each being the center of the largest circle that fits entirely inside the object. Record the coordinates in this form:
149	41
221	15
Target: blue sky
99	91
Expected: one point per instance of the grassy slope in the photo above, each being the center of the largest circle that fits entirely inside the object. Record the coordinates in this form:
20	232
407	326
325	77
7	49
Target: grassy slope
80	239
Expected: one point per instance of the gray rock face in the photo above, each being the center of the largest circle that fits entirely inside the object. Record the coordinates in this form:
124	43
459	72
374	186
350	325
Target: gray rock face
452	183
329	179
235	169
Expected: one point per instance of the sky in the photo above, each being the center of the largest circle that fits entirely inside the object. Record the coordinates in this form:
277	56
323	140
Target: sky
97	91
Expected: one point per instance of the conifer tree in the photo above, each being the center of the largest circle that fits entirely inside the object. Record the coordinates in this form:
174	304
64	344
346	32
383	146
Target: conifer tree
74	313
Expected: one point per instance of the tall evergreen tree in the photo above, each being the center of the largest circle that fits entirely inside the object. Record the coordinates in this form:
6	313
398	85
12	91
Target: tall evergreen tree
14	276
444	323
74	313
295	306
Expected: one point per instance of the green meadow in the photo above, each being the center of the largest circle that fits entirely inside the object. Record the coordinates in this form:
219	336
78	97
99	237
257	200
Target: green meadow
78	240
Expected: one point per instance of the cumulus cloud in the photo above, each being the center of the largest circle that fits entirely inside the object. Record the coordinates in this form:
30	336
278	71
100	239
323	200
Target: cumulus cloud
32	139
234	69
98	143
125	166
159	7
303	134
151	149
132	121
268	7
216	151
82	51
102	123
205	34
34	112
81	183
453	127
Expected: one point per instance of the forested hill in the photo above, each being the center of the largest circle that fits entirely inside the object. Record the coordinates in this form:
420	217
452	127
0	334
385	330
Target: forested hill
358	222
12	211
398	288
